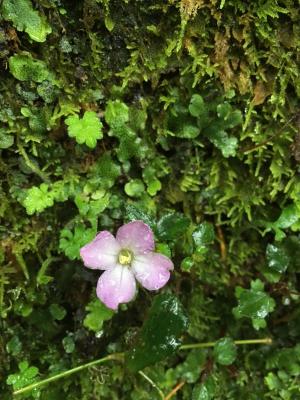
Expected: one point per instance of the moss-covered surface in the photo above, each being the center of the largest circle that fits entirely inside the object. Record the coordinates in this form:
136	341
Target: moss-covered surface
184	114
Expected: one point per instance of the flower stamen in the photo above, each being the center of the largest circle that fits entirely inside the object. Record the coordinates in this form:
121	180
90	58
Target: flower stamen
125	257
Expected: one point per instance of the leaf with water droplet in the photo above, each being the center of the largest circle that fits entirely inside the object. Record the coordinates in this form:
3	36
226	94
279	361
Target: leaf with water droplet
158	338
204	234
171	226
277	257
26	375
254	303
288	217
225	351
205	390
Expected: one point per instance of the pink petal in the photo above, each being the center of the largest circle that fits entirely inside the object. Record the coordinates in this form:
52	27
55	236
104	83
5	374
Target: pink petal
136	236
116	286
102	252
152	270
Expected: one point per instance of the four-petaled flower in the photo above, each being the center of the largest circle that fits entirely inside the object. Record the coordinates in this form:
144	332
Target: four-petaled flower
124	259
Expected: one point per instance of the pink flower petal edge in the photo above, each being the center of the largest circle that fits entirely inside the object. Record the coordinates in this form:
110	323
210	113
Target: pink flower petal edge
116	286
136	236
102	252
152	270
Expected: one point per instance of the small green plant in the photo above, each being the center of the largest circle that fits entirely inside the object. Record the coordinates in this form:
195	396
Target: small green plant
26	19
86	130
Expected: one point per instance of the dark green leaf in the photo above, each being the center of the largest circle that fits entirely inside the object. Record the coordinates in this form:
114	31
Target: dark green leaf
204	234
228	145
14	346
159	335
58	312
134	214
254	303
278	259
205	390
196	107
225	351
172	226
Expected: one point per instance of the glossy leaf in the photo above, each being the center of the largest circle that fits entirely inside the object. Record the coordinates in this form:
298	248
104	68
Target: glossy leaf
225	351
254	303
277	258
172	226
204	234
227	144
289	216
135	213
205	390
25	376
159	336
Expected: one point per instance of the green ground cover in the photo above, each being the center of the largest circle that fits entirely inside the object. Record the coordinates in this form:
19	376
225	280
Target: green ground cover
183	114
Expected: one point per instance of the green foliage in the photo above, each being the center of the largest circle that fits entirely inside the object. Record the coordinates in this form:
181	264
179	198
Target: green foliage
134	188
204	391
97	314
26	376
57	312
38	198
6	140
225	351
14	346
288	217
71	241
189	122
68	344
87	129
26	68
254	303
172	226
278	259
25	18
183	114
204	234
159	335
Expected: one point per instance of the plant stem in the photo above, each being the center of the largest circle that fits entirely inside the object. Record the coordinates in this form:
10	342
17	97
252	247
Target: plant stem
34	168
116	356
212	344
152	384
120	357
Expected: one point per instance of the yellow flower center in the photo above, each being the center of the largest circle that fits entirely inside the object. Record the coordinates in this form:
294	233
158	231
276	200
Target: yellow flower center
125	257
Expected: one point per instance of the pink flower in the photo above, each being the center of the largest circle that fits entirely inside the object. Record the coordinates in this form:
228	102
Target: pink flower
125	259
